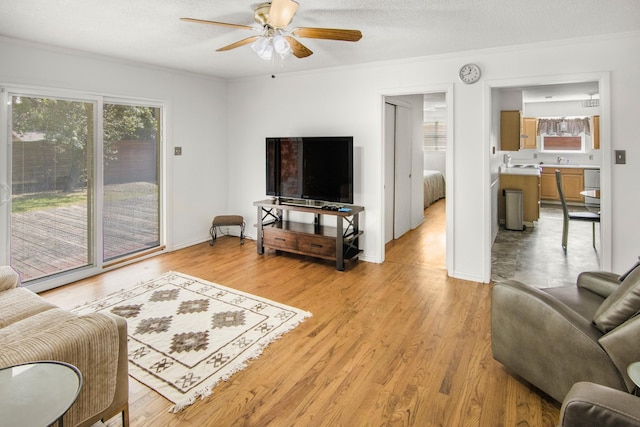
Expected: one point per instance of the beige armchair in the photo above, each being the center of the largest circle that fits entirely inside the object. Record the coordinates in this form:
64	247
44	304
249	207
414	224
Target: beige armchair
32	329
554	338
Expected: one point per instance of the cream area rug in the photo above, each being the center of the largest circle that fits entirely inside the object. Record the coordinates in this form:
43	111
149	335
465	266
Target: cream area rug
187	334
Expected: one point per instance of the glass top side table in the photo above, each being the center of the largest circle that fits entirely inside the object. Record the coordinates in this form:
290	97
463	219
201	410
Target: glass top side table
634	373
38	393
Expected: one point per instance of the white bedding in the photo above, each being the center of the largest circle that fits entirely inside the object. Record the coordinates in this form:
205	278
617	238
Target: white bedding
434	187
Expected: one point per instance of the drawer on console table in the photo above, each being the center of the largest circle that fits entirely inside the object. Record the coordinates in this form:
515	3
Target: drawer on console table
280	239
321	246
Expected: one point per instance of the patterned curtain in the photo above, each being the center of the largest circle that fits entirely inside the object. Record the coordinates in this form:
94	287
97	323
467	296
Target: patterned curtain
564	126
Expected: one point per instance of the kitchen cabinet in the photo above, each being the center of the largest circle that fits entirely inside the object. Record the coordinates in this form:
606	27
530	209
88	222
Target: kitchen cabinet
529	133
530	187
595	132
510	130
572	184
516	132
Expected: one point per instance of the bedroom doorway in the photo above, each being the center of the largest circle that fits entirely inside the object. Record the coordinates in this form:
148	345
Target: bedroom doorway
415	147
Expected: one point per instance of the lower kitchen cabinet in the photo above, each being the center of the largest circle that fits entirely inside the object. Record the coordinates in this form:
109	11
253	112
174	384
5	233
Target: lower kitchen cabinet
530	187
572	184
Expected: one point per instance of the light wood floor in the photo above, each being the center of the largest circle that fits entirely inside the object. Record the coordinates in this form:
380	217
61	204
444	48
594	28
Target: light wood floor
397	344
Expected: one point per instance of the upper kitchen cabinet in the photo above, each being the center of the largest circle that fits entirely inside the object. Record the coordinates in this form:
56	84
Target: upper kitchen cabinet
516	132
596	132
510	130
529	132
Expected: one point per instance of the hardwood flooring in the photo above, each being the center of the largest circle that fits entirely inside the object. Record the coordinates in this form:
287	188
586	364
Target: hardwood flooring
395	344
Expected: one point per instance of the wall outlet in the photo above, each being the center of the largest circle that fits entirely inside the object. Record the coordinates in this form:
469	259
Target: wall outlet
177	151
621	157
535	155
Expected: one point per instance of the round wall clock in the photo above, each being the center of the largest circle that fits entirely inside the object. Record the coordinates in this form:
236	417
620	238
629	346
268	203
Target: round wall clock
469	73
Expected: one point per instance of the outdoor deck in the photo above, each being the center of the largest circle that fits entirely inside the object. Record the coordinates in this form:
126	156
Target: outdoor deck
51	240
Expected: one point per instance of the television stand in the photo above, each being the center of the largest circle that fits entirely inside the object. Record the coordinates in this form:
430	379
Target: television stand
339	243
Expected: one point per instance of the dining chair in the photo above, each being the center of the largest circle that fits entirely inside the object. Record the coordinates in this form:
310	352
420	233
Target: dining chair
592	217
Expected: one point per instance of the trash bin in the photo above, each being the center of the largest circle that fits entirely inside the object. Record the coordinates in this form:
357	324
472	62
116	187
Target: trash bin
514	210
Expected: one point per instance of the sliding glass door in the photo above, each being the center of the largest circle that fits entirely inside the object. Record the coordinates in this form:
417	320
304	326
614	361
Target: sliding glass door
82	183
131	208
52	142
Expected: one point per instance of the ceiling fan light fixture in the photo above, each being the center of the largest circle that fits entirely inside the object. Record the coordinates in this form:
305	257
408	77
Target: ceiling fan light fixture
281	45
263	48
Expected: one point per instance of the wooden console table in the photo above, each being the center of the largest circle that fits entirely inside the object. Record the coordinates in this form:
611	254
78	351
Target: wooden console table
339	243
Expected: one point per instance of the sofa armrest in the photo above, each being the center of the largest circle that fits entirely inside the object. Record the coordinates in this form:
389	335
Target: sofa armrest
9	278
623	347
546	342
601	283
589	404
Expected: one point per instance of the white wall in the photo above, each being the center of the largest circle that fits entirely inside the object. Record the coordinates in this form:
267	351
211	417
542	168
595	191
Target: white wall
349	101
196	120
435	161
222	127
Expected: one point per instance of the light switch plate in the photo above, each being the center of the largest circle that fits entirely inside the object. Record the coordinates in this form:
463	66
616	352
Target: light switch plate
177	151
621	157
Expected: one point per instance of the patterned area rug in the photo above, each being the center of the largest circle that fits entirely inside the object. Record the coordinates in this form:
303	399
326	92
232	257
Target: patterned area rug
187	334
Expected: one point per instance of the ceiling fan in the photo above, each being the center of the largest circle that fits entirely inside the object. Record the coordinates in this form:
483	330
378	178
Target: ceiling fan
273	17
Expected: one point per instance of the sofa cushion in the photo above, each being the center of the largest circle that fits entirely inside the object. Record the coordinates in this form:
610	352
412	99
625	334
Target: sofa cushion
47	321
9	278
20	303
621	305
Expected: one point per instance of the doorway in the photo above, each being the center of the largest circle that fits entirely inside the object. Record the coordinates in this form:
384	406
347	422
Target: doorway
409	146
550	98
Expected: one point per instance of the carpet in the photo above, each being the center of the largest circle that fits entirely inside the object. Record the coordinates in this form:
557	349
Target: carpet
186	334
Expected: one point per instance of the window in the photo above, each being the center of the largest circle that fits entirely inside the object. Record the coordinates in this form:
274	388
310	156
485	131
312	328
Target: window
563	143
561	135
435	135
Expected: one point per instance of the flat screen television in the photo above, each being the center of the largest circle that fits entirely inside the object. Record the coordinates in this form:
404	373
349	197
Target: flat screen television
312	168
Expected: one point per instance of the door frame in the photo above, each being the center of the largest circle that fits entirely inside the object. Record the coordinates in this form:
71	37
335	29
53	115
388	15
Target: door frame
447	89
604	88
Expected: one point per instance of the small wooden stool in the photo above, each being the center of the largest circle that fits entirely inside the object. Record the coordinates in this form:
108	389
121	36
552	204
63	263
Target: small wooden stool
226	220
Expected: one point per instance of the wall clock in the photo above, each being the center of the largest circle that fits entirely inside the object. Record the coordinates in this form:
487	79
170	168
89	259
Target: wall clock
469	73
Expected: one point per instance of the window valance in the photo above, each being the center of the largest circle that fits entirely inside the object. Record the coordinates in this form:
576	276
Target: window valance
559	126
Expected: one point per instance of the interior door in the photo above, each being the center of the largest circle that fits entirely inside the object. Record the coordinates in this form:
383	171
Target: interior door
402	189
389	147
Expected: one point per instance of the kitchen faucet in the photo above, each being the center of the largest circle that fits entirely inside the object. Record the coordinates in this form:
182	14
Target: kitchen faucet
562	160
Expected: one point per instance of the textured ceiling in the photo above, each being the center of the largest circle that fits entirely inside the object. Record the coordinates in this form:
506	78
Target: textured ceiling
150	31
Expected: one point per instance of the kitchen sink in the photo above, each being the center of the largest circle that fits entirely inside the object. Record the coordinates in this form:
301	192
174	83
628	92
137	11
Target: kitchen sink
524	166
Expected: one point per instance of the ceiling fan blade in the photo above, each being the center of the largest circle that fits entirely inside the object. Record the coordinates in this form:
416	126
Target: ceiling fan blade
299	50
328	33
238	43
224	24
281	12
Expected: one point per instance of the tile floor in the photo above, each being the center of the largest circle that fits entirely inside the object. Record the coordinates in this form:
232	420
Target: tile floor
535	256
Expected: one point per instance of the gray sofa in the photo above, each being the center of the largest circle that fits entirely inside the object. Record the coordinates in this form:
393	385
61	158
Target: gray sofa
33	329
554	338
594	405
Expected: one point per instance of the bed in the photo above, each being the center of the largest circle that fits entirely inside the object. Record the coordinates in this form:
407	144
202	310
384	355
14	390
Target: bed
434	187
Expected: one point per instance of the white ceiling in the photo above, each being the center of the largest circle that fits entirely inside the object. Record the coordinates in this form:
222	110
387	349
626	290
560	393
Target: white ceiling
150	31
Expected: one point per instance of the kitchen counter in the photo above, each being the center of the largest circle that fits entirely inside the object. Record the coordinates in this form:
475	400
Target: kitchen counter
551	165
528	181
530	171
